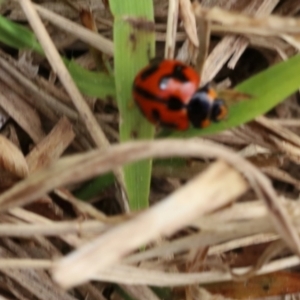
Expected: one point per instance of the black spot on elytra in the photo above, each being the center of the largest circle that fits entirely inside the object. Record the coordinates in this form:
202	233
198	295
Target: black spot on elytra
178	73
146	94
174	103
148	72
156	116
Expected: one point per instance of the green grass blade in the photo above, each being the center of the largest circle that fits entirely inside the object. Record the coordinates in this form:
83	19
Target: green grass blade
18	36
268	88
94	84
95	186
134	44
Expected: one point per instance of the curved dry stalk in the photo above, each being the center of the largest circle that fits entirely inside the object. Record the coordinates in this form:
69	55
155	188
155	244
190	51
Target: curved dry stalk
243	242
272	250
81	167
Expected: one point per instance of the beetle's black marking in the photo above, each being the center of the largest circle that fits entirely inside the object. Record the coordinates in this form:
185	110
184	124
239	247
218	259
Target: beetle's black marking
175	103
178	73
156	116
147	95
198	108
148	72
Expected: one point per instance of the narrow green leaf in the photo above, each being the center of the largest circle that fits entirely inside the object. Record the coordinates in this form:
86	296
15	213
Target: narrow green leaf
94	84
134	45
268	88
18	36
95	186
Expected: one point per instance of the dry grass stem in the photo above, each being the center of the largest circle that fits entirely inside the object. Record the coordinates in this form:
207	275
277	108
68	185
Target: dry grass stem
21	112
204	38
189	21
12	159
52	229
173	12
25	264
95	40
51	148
238	23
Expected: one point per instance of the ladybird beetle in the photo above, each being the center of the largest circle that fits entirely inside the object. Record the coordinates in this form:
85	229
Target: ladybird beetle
168	94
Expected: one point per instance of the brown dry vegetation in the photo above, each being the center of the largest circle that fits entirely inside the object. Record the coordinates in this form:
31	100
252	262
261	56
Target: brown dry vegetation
226	219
